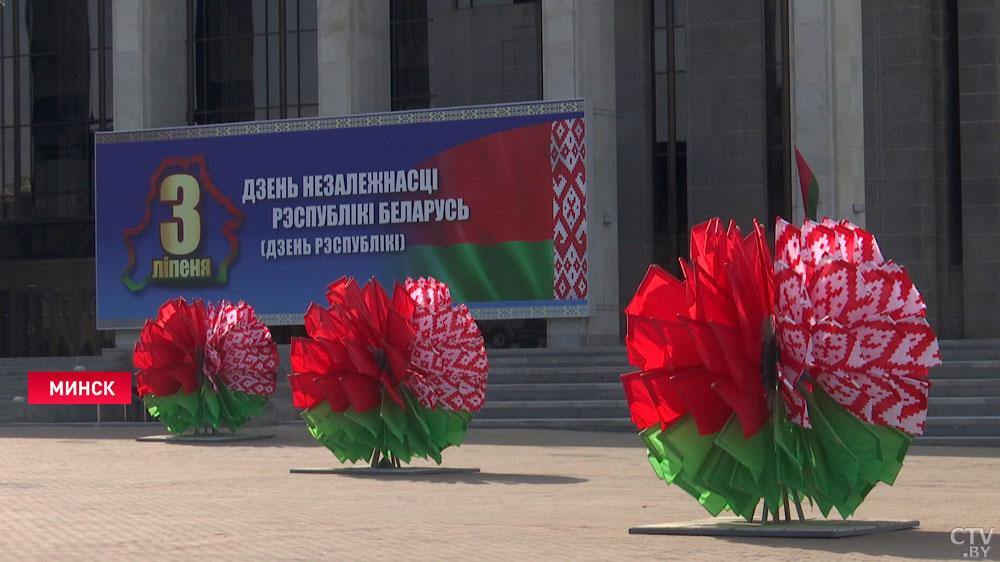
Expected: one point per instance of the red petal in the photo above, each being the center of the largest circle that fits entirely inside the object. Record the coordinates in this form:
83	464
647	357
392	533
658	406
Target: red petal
640	403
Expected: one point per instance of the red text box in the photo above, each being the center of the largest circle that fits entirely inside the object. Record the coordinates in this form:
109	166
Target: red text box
80	387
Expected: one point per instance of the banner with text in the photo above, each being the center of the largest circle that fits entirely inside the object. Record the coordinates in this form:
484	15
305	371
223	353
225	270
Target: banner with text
489	199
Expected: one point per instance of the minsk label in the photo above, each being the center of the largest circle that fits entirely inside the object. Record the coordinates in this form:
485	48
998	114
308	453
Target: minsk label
80	387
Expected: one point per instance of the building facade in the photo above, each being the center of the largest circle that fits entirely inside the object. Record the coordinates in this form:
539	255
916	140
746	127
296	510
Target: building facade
697	107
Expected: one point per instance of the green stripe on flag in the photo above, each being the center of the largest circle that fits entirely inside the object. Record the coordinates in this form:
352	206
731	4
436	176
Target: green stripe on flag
510	271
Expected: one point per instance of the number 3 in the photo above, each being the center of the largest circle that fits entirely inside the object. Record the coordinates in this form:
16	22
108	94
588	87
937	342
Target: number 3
181	235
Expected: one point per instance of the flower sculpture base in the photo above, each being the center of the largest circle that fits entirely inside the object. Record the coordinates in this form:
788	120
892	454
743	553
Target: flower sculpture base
204	438
808	529
400	471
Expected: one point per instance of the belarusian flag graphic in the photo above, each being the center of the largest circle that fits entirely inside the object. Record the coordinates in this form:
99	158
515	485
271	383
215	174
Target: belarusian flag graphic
809	185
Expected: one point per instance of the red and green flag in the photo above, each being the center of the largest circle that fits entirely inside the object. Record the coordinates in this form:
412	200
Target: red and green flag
809	185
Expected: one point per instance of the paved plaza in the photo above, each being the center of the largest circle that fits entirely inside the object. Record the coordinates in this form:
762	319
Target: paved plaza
94	493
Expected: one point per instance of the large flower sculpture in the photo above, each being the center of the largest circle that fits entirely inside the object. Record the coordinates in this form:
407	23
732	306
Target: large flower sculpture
801	377
385	379
205	367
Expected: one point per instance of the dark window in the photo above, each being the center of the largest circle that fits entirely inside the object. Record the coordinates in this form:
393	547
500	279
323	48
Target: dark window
55	90
776	106
55	83
252	60
670	124
447	53
410	78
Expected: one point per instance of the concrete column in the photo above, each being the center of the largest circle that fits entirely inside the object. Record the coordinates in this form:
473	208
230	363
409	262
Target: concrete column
354	67
578	61
911	156
828	104
635	156
149	75
150	63
979	109
726	112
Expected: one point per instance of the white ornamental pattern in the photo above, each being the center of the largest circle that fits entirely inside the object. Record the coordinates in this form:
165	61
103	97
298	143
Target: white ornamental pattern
239	350
448	364
853	322
567	155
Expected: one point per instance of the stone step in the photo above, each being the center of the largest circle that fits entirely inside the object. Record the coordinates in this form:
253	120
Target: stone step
975	441
569	389
964	406
283	410
949	370
965	387
969	343
12	412
582	424
966	370
962	426
564	391
281	403
14	385
557	352
550	375
616	362
287	412
970	349
938	407
943	431
21	412
555	409
89	363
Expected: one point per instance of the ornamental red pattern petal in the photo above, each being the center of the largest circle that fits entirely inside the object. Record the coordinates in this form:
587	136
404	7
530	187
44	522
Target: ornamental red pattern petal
239	350
448	357
428	292
854	322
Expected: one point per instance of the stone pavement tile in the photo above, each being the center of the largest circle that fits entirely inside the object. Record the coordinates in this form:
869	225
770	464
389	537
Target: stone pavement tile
93	493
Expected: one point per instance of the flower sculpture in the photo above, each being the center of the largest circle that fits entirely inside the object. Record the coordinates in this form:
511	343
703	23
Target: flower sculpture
801	377
386	379
205	366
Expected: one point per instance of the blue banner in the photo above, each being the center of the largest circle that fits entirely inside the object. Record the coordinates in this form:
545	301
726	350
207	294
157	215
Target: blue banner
489	199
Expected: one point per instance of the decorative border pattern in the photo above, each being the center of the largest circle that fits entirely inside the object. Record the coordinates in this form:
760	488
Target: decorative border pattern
567	154
283	319
572	309
348	122
568	309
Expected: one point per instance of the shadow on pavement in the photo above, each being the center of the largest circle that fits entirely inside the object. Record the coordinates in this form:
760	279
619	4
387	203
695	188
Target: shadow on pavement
552	438
469	478
284	436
